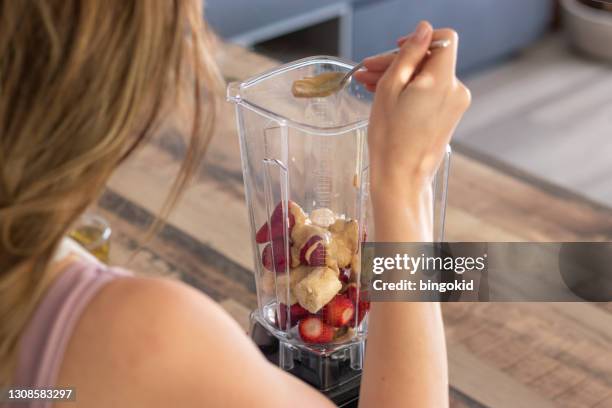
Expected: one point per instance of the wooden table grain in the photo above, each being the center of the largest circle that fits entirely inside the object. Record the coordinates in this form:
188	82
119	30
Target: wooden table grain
500	355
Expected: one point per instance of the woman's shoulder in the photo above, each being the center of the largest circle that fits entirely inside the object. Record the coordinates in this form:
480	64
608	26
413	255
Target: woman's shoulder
130	336
159	342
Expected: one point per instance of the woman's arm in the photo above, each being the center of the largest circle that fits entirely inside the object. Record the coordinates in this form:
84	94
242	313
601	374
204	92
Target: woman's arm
418	104
406	354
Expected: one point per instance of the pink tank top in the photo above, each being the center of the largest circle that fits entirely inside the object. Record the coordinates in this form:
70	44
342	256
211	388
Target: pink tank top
44	341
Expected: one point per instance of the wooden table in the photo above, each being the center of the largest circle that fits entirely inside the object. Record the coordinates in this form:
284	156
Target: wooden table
501	355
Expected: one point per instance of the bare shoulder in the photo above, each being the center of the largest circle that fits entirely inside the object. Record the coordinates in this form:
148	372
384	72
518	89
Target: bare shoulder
157	342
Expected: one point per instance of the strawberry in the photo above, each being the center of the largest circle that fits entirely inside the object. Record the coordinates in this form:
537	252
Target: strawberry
275	229
313	330
296	312
312	252
345	275
339	311
351	291
362	304
274	257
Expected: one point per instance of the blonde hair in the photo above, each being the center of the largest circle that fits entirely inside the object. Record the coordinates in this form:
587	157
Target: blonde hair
81	84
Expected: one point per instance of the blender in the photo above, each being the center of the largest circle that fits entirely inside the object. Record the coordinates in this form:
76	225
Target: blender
305	170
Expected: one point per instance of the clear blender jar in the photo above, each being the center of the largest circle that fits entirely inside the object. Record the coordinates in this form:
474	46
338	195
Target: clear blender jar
305	169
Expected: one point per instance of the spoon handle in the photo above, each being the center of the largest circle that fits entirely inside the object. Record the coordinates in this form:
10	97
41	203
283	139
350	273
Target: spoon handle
434	45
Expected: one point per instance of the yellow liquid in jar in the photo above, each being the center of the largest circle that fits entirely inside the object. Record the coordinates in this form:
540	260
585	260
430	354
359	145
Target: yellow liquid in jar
87	236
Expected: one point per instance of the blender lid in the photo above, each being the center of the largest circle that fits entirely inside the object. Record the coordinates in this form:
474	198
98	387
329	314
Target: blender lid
269	94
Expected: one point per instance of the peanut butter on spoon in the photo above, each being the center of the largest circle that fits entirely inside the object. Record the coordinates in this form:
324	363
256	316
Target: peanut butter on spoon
318	86
329	83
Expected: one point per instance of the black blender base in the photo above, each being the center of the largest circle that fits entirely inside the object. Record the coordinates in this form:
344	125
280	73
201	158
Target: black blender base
345	395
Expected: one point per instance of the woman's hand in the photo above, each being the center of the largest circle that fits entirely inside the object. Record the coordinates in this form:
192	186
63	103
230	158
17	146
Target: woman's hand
417	106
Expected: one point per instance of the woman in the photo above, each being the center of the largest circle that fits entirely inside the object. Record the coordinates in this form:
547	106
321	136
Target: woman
82	84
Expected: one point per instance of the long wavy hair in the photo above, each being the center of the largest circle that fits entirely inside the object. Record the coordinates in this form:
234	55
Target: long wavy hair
82	83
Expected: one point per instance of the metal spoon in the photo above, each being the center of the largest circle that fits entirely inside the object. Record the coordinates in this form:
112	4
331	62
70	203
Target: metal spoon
328	83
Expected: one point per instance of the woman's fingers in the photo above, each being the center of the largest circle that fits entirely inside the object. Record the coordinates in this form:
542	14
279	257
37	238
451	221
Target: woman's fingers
368	77
378	62
441	63
428	65
408	59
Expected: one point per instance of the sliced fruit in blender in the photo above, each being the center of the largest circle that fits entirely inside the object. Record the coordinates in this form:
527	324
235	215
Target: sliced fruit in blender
322	217
275	229
351	292
344	242
362	304
274	257
313	251
345	275
307	238
313	330
296	312
319	287
356	266
323	258
281	285
339	311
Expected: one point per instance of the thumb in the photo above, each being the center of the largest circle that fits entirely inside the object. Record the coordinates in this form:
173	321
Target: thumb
409	58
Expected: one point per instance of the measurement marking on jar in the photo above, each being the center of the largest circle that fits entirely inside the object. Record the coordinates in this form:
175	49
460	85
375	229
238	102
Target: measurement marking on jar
320	112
